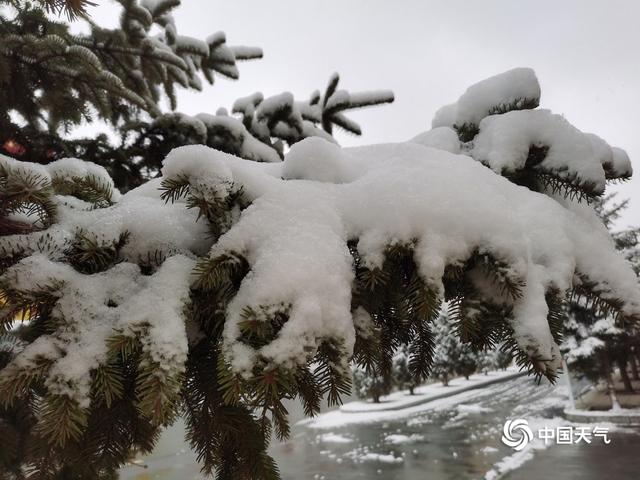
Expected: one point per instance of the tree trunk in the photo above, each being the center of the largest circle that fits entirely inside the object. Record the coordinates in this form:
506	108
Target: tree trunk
607	376
634	367
411	388
445	380
466	377
622	365
376	399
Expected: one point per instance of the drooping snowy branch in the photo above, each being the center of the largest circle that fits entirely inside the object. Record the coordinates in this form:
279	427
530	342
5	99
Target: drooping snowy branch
255	282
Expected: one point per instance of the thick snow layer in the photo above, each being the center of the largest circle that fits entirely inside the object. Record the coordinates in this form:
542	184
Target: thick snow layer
620	164
511	88
504	141
294	237
301	213
94	307
445	116
153	227
443	138
65	169
317	159
269	106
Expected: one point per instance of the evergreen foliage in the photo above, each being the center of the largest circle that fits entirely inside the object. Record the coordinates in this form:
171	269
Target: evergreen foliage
370	385
52	81
142	308
595	344
443	363
466	361
402	376
501	358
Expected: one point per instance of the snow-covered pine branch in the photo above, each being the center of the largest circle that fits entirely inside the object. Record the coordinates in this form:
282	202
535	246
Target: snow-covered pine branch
232	284
55	79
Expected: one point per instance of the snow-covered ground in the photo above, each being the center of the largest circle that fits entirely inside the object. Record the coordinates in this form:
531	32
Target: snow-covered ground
402	399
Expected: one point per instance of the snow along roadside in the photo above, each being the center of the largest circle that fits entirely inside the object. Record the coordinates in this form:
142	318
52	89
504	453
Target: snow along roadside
428	393
457	392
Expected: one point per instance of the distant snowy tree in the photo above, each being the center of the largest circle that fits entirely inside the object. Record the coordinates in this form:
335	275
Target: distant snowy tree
465	360
594	341
369	385
502	358
52	80
484	361
226	286
443	362
402	377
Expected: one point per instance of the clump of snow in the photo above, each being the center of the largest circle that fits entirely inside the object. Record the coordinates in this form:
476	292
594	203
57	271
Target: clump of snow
249	147
65	169
445	116
333	438
70	168
212	180
620	164
361	455
443	138
514	89
504	141
319	160
95	307
488	449
397	438
271	105
473	408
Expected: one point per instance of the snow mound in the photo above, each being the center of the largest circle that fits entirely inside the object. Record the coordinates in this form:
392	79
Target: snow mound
319	160
443	138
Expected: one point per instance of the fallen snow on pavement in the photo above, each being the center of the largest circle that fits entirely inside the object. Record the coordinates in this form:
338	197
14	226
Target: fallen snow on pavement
397	438
333	438
365	412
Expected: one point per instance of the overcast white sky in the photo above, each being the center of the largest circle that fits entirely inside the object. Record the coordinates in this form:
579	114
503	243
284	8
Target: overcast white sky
428	52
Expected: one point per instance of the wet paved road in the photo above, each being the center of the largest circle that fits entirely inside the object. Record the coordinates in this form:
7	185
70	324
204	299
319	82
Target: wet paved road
451	442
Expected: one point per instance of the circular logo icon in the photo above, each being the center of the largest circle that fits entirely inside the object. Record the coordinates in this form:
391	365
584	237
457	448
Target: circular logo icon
516	433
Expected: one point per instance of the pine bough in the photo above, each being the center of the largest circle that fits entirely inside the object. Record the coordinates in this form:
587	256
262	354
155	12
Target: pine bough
227	286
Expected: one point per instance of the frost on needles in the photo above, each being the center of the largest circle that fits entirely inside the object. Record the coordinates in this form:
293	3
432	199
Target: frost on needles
226	285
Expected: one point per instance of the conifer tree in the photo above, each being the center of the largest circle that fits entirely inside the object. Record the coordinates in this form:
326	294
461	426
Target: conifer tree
502	358
52	80
369	385
227	286
402	377
595	344
484	361
465	360
443	362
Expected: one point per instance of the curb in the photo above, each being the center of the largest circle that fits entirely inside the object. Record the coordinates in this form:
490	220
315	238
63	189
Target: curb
593	416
